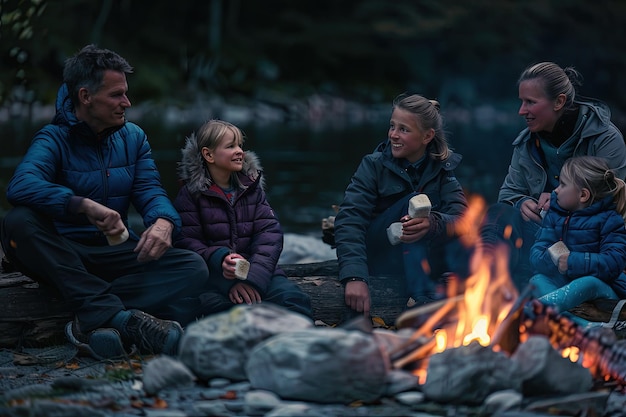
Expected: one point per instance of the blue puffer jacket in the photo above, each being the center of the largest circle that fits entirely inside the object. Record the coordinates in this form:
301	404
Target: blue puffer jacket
213	227
596	238
66	160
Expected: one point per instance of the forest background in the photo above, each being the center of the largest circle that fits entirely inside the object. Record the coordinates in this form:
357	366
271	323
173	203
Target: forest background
461	53
310	82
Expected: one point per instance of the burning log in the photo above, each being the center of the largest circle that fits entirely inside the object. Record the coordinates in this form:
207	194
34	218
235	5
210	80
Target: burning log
597	348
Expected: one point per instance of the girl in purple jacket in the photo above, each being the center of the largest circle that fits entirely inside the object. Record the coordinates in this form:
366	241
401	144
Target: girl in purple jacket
226	218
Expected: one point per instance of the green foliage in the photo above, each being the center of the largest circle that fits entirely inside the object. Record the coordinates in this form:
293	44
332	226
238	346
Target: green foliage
364	49
16	35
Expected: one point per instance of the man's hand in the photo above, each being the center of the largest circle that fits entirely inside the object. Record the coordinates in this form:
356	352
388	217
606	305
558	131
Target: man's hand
357	296
154	241
107	220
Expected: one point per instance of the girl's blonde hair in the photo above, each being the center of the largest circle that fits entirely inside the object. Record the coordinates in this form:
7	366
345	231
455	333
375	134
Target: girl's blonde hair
211	134
427	113
594	174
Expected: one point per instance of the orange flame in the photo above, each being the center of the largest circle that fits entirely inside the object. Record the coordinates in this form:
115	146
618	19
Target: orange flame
488	293
479	302
477	306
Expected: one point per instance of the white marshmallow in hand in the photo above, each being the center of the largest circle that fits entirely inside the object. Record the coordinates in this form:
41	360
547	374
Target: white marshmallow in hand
241	268
419	206
556	250
118	239
394	231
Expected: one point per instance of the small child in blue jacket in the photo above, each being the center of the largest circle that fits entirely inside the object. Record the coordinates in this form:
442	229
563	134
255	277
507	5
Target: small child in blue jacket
580	252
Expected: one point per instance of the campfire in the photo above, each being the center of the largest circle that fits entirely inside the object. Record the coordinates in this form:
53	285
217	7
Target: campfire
486	309
479	341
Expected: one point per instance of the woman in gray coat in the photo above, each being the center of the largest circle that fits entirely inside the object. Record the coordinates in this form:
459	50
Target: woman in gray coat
560	125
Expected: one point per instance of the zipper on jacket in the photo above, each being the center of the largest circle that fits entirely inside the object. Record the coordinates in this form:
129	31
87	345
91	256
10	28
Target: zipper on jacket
565	227
105	176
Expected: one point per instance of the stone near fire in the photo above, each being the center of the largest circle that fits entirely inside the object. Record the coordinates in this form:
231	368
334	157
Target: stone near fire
165	372
219	345
583	404
324	365
545	372
468	374
399	381
502	401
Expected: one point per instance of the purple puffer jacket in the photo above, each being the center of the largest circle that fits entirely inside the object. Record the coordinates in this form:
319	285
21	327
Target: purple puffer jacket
213	227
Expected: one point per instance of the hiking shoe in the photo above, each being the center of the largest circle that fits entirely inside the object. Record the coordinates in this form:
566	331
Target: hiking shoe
101	344
151	335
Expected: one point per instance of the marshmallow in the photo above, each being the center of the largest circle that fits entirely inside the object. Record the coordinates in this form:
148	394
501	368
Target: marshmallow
419	206
241	268
556	251
118	239
394	231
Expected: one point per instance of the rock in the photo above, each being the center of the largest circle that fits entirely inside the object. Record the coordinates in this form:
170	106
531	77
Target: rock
399	381
219	345
325	365
259	402
502	401
298	249
468	374
165	372
546	372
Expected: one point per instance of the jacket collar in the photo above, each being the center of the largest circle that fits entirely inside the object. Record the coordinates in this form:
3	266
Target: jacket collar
65	116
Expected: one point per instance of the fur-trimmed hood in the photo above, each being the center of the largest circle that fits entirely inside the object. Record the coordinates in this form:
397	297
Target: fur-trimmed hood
193	172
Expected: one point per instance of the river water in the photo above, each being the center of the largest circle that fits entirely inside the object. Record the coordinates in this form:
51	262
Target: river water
307	168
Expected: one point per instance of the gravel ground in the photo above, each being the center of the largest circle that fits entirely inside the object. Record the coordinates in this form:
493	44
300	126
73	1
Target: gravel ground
54	382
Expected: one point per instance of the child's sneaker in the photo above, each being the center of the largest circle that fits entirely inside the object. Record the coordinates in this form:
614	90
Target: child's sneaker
104	343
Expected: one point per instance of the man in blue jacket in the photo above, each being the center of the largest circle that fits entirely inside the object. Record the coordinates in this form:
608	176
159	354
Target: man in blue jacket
69	226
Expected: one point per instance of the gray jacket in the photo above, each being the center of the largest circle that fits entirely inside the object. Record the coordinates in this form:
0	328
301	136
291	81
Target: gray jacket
595	134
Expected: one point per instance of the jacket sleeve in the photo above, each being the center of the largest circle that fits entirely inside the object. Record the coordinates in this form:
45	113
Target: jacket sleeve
540	258
453	206
515	188
609	262
191	236
353	219
148	195
266	244
33	182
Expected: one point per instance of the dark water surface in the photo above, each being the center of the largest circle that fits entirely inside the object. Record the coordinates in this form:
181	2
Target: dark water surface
306	169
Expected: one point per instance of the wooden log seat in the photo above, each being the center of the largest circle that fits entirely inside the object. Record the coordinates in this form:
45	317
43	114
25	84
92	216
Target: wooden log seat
33	316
